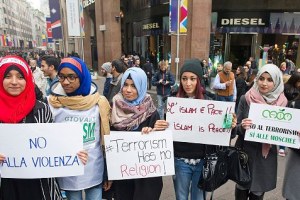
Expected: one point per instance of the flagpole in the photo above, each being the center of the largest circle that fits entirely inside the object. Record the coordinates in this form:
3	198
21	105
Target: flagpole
177	43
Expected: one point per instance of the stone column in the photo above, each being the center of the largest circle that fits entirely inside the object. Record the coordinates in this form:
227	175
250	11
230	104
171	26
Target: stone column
109	40
195	44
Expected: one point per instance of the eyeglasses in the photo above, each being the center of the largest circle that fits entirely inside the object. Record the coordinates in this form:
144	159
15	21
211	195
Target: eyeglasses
71	78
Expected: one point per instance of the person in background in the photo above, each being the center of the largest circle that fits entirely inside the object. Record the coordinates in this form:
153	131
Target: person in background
136	61
134	110
117	70
163	80
219	67
241	84
38	76
75	96
106	71
148	67
267	89
283	68
189	157
19	105
206	73
224	84
49	65
291	184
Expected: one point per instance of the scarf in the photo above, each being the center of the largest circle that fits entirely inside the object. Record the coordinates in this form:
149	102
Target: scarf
275	97
129	117
13	109
84	103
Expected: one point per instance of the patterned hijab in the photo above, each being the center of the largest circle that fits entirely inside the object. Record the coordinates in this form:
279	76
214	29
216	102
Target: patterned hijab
81	70
13	109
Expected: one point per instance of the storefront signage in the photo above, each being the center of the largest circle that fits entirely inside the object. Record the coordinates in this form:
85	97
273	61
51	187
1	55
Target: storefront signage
151	26
86	3
261	19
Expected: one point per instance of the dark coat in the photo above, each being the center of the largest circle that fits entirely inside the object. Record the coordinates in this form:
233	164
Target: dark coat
263	171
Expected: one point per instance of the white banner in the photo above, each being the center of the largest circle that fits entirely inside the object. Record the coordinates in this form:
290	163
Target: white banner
73	17
134	155
199	121
41	150
274	125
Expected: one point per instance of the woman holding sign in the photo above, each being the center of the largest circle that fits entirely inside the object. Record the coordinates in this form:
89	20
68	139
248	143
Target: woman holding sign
18	105
267	89
74	98
134	110
189	156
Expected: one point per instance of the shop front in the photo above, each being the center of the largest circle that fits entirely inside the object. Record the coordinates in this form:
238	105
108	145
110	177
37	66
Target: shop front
266	36
151	39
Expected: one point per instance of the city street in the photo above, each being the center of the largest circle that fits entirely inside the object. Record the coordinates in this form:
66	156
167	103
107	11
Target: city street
226	192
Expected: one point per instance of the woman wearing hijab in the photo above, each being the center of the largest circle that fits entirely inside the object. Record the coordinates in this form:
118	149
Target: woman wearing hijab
134	110
74	98
19	105
267	89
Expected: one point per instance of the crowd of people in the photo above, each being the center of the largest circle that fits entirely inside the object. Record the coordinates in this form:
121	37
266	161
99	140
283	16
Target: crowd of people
48	89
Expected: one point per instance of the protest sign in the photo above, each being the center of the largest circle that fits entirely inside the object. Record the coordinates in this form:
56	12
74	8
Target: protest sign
274	125
134	155
200	121
41	150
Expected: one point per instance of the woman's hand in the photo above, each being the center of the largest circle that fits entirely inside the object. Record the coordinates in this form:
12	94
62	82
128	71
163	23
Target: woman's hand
107	185
146	130
83	156
2	158
161	125
234	120
246	123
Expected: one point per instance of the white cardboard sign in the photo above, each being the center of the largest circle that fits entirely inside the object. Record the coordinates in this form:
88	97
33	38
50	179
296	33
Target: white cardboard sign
132	155
274	125
41	150
199	121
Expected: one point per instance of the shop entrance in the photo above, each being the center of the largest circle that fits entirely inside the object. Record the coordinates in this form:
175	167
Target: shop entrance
239	48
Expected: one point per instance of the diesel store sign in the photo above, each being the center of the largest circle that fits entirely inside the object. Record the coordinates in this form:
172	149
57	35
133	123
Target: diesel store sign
246	19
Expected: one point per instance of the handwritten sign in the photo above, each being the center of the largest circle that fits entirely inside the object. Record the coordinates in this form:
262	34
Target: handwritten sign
274	125
40	150
199	121
133	155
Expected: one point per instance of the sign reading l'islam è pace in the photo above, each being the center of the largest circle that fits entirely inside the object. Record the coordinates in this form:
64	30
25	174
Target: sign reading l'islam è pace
261	19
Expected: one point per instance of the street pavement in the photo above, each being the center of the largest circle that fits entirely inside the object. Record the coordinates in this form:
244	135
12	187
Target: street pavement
225	192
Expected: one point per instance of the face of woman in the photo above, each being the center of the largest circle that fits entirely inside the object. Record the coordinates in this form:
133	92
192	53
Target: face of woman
14	83
68	80
238	71
265	83
129	90
189	83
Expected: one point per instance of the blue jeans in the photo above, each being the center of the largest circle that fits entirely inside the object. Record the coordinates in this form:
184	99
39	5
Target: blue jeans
160	106
224	98
93	193
186	179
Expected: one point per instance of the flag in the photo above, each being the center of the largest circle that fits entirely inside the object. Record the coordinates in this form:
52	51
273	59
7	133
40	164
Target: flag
49	30
55	19
173	15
